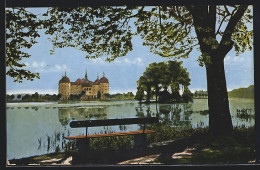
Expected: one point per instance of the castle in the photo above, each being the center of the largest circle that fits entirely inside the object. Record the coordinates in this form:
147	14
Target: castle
84	87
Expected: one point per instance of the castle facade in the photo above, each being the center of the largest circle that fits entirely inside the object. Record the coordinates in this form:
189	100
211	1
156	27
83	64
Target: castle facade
84	87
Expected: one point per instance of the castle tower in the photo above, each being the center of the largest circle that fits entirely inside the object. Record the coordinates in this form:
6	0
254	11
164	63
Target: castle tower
64	87
86	77
104	86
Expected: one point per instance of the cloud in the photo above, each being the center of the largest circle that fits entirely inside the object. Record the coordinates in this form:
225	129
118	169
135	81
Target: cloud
227	59
38	67
239	59
43	67
135	61
119	61
126	60
59	68
233	60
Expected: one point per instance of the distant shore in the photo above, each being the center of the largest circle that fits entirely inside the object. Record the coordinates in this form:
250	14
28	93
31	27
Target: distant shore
142	102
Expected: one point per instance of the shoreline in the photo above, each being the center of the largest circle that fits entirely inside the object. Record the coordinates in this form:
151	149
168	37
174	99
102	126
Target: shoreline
143	102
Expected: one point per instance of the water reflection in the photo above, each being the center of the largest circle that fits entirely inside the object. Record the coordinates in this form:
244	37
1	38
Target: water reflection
47	124
174	115
83	113
245	113
56	141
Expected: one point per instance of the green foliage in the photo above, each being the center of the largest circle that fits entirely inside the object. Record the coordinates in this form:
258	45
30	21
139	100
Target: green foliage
242	92
238	148
242	35
75	96
139	94
34	97
167	30
228	149
9	97
200	94
106	30
117	142
187	95
164	75
21	33
125	96
166	133
99	95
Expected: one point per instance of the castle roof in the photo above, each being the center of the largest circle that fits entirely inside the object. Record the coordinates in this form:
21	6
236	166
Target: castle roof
64	79
97	81
103	80
87	83
79	81
84	82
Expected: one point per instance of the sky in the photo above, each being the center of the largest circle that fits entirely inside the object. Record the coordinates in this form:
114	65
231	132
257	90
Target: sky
122	73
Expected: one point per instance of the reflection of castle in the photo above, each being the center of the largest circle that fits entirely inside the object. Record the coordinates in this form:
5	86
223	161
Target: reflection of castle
68	114
84	87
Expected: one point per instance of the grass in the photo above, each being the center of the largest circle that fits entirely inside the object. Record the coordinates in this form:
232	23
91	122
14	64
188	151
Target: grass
236	148
40	160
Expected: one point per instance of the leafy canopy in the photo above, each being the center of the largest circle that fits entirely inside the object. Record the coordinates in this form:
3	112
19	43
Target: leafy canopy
169	31
21	32
163	75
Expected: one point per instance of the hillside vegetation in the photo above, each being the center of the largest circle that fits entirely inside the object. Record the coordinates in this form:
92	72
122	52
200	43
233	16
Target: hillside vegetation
242	92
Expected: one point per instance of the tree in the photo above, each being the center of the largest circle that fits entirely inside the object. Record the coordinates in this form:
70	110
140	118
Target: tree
130	95
165	96
35	95
169	31
19	96
187	95
21	32
155	71
99	95
12	97
59	96
106	95
82	93
26	97
163	75
139	94
144	84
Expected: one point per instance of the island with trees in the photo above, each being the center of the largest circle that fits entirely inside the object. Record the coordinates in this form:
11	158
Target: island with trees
164	80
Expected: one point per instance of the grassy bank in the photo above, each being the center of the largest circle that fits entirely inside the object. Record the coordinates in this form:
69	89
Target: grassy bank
190	146
238	148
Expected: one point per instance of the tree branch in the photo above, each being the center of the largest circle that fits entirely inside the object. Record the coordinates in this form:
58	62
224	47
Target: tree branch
212	20
226	43
226	9
218	31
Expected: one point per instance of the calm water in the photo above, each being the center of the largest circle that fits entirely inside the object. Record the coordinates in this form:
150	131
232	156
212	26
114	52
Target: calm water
39	128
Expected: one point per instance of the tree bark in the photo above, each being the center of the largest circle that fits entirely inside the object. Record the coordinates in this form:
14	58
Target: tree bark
204	18
220	121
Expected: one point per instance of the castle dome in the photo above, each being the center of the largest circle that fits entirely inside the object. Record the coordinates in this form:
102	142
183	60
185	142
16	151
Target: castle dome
64	79
79	81
87	83
103	80
97	81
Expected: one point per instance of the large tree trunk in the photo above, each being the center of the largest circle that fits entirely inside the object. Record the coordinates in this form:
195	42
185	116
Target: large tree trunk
220	121
204	18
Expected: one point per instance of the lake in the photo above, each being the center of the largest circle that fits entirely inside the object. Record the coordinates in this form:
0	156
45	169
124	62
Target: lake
39	128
